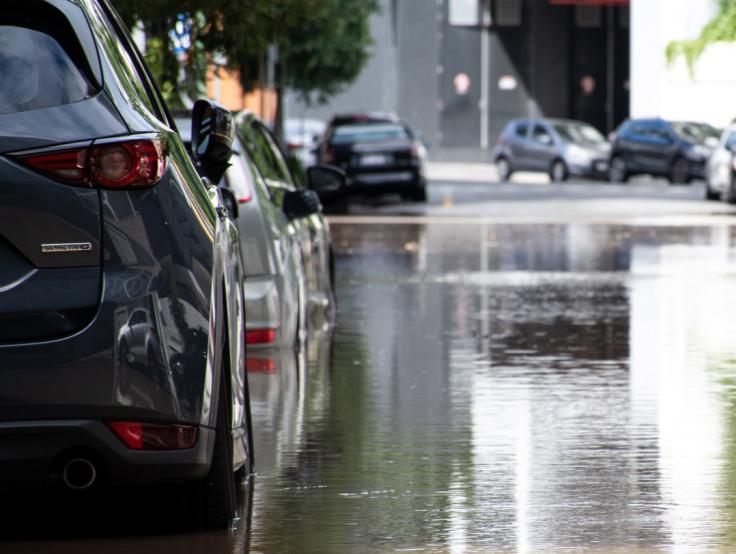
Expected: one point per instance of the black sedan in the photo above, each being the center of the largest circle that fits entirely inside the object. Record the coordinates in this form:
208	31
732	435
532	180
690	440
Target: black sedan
379	154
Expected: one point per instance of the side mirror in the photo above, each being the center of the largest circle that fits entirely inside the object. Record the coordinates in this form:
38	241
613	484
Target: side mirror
546	140
301	203
212	138
325	179
228	199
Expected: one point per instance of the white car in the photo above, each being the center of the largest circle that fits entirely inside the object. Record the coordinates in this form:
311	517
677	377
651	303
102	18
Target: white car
720	171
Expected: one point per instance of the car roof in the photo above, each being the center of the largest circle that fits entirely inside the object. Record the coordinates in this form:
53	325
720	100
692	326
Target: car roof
369	117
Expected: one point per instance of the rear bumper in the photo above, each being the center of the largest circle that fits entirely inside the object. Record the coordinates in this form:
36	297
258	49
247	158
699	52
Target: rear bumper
33	453
375	182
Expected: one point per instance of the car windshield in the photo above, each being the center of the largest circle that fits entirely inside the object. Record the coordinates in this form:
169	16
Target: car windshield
579	133
695	132
370	132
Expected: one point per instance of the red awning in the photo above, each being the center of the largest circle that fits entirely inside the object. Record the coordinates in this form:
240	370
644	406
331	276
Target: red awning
590	2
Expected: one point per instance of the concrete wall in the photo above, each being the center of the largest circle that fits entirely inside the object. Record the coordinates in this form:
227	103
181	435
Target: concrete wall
670	92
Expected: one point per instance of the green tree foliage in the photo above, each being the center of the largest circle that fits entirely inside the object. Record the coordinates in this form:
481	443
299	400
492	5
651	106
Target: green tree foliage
323	43
722	28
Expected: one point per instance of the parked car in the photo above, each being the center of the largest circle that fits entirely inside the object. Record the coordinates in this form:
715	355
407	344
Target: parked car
675	150
105	225
559	147
275	288
302	137
379	153
720	180
301	208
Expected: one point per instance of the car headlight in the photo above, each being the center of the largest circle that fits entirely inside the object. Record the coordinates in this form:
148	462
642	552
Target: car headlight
700	152
578	155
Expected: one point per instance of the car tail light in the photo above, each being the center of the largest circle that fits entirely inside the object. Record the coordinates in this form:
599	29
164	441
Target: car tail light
260	336
150	436
293	146
115	165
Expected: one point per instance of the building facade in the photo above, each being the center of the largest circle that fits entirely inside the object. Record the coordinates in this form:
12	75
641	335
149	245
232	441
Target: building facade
459	70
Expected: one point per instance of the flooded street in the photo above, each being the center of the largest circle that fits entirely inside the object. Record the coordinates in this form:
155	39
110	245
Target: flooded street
488	387
511	388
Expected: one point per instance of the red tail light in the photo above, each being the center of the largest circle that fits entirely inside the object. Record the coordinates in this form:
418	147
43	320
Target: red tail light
260	365
115	165
149	436
260	336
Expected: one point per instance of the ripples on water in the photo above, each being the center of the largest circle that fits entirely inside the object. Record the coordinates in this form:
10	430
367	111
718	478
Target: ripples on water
530	388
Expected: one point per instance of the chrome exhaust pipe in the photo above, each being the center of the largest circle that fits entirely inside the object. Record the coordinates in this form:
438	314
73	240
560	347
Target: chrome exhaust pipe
79	474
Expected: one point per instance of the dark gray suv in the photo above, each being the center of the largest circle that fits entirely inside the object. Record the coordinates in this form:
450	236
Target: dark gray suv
121	313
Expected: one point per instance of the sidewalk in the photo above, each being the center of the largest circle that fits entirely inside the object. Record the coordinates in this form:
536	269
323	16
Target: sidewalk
458	171
475	173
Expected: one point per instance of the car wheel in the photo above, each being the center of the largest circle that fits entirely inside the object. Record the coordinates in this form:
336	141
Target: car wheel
710	194
730	194
680	172
558	171
215	497
618	171
504	168
419	195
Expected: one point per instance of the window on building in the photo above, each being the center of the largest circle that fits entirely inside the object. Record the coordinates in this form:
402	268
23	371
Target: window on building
588	16
464	12
508	13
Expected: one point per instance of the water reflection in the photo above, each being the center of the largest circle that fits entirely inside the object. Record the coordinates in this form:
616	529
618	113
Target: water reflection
528	388
492	388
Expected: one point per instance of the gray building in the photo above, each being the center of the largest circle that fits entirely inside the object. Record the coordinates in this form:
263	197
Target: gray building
459	70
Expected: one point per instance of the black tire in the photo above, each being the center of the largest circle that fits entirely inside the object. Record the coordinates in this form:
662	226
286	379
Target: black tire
419	195
503	165
558	171
710	194
730	194
217	492
680	172
618	170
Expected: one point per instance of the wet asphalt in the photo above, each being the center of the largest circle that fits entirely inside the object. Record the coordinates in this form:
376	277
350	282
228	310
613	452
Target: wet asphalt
563	383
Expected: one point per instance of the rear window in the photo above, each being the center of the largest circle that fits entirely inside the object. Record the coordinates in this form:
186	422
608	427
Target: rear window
42	64
371	132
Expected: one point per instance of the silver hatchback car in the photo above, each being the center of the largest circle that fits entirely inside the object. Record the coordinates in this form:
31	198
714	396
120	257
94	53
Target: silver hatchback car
558	147
286	245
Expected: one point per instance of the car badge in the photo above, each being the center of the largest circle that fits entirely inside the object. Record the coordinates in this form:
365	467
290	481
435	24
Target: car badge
66	247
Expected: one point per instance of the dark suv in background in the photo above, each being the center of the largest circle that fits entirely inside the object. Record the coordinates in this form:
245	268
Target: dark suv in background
121	314
671	149
379	153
